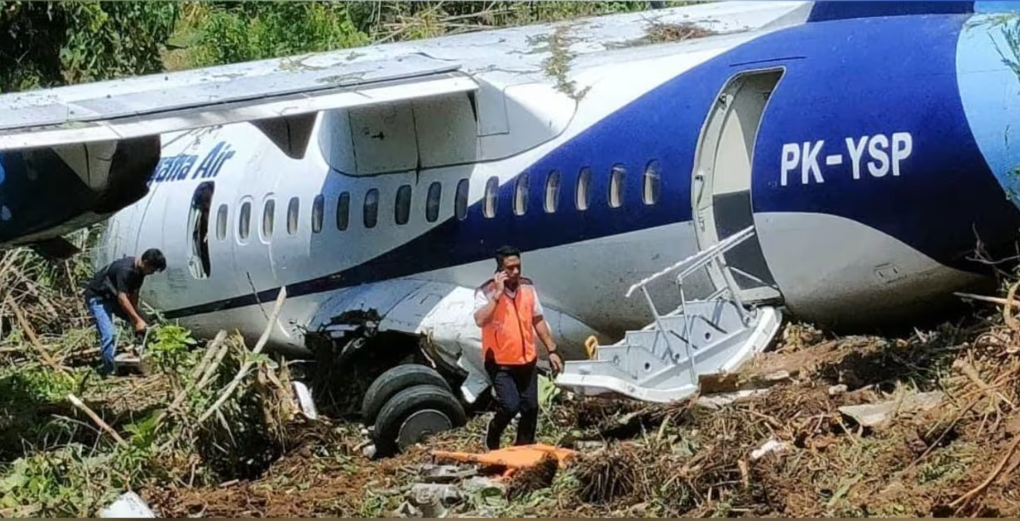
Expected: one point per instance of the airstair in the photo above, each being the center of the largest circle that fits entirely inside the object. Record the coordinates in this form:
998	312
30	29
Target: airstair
662	362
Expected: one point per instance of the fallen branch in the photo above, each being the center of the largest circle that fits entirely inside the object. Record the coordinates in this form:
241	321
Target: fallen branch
27	328
96	419
247	365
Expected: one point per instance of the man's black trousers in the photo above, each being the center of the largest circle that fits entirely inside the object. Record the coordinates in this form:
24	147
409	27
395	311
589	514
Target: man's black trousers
516	388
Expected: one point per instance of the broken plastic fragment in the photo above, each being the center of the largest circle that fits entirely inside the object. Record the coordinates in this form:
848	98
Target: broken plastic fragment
304	397
127	505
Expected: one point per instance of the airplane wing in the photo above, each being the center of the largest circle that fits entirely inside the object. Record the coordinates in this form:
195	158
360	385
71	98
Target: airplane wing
111	111
101	141
161	103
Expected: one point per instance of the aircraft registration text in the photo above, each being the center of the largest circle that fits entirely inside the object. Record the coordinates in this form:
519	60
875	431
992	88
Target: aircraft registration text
878	155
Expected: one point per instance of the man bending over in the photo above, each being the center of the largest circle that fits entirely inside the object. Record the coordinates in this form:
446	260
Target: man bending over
113	290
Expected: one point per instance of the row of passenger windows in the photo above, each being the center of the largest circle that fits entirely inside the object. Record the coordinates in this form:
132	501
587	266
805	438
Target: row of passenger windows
433	202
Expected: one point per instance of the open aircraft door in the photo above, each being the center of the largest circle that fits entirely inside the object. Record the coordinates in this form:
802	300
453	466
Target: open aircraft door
721	182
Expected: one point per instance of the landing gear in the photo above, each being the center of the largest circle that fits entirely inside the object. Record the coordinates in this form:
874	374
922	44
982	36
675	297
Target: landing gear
393	381
406	404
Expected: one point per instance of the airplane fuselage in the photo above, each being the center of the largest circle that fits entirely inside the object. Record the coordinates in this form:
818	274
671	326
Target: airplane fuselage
868	154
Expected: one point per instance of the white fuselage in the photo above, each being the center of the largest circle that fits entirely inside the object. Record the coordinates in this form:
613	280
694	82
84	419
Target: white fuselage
376	179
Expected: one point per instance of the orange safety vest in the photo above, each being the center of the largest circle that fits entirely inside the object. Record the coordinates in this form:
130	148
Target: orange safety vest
510	333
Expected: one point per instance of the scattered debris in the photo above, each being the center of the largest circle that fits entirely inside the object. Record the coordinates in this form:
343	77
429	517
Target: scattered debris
718	401
446	473
304	398
128	505
662	32
434	500
770	446
877	415
482	484
659	32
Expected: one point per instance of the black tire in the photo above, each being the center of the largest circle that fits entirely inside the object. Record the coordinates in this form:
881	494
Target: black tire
419	398
392	382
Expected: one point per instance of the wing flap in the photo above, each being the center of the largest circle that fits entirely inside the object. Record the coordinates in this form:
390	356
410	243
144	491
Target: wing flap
116	124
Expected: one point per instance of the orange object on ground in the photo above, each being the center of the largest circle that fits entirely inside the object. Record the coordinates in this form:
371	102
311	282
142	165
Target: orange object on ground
518	457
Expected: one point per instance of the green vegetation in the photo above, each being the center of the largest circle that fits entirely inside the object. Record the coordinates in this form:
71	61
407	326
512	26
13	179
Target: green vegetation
73	42
59	43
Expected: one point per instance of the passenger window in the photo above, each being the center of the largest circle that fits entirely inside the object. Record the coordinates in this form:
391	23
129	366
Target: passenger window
650	194
616	186
244	221
521	195
370	213
292	215
432	202
343	211
583	195
402	208
491	191
221	222
552	191
268	219
461	198
317	211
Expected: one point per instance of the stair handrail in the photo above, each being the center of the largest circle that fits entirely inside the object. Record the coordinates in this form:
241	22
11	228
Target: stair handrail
697	260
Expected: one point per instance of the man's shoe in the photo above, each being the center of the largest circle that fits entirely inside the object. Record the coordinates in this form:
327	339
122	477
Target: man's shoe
490	443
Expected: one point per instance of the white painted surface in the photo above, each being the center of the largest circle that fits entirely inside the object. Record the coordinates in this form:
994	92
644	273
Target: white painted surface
272	88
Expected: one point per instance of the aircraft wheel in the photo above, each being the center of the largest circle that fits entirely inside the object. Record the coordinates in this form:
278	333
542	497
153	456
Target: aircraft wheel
413	414
393	381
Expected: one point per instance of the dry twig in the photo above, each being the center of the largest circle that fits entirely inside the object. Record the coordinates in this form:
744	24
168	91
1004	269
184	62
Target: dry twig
95	418
27	328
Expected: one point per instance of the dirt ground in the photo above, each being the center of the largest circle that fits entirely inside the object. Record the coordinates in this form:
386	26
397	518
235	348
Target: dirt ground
957	456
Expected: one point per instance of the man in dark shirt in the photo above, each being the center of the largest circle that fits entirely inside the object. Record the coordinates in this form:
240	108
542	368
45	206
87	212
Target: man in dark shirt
113	290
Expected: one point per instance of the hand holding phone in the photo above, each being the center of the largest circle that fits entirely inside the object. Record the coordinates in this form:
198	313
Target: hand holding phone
500	279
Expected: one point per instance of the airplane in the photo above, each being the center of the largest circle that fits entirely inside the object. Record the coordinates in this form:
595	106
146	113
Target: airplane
836	162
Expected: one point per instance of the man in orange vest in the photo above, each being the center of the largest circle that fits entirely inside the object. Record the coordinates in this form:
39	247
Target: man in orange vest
509	313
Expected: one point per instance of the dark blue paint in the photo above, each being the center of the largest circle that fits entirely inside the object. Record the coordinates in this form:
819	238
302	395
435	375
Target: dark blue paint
893	83
177	168
848	9
51	196
843	78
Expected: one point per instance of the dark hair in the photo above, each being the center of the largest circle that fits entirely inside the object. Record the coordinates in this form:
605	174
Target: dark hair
504	252
153	257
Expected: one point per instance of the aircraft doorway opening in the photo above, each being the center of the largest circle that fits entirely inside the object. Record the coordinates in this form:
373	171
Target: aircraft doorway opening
721	183
198	221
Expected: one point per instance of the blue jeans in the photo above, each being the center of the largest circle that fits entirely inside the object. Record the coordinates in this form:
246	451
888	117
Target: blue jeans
102	312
